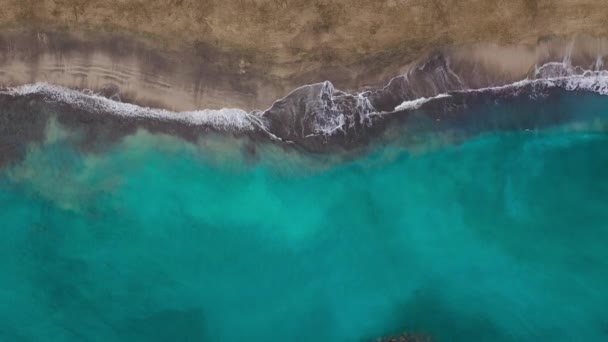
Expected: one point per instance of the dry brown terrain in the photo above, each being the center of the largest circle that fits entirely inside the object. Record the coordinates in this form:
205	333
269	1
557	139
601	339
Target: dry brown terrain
344	31
248	52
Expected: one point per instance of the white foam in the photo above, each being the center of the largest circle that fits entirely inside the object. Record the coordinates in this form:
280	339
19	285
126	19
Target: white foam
329	125
553	74
222	119
336	121
417	103
597	84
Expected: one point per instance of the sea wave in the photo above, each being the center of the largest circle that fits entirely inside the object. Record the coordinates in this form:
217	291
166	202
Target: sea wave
321	113
417	103
221	119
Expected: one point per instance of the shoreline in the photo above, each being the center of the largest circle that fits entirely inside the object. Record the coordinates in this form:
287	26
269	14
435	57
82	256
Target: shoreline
340	122
195	77
114	75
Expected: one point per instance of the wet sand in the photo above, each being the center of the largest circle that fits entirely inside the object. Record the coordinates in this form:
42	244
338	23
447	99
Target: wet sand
131	69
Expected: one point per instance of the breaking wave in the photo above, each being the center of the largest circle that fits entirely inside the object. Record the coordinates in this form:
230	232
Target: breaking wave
320	114
222	119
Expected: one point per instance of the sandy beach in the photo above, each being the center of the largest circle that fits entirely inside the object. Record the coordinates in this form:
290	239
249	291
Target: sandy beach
196	54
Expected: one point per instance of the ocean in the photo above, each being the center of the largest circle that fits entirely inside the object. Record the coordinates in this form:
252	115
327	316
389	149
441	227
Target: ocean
492	228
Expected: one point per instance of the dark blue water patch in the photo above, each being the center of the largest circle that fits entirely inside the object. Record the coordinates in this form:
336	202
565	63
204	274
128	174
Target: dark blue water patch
461	116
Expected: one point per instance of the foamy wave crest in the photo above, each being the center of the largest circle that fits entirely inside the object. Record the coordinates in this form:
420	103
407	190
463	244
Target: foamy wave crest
574	78
597	84
554	74
417	103
222	119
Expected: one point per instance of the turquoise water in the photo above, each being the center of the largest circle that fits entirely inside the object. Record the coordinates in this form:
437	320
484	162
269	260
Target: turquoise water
502	237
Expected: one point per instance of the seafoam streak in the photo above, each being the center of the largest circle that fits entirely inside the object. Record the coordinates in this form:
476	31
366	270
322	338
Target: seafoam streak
554	74
230	119
417	103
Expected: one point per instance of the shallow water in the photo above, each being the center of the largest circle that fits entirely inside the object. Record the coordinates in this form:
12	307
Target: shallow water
500	237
